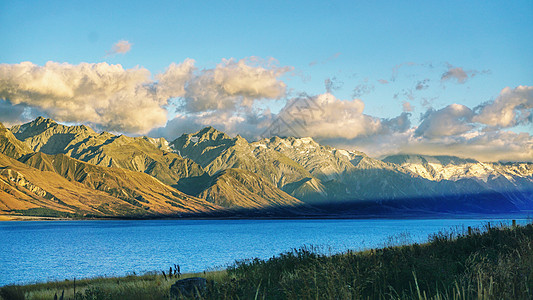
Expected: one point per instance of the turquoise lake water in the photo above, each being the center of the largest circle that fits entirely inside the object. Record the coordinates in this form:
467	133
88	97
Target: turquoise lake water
38	251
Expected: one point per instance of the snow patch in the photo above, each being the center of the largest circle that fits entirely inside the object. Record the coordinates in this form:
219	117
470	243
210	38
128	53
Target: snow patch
344	152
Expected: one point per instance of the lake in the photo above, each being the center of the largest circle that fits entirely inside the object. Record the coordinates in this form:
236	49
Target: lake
36	251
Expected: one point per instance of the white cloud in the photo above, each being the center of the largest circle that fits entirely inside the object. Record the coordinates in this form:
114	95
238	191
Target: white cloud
326	116
110	97
342	123
234	84
120	47
452	120
484	146
512	107
107	96
172	82
230	97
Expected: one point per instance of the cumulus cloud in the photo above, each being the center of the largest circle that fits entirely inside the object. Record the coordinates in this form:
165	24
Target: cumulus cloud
102	94
484	146
233	84
120	47
512	107
342	123
452	120
324	116
110	97
172	82
229	97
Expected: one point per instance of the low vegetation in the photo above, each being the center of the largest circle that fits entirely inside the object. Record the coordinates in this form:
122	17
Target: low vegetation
486	263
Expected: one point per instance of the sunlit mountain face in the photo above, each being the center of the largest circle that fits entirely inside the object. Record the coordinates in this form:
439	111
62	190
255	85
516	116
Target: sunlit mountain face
65	170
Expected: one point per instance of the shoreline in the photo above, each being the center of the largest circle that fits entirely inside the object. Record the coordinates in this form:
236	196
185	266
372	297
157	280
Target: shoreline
428	216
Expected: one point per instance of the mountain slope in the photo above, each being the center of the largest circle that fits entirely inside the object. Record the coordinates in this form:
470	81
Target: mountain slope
10	145
514	180
23	189
323	162
240	188
141	154
143	176
138	189
347	175
215	151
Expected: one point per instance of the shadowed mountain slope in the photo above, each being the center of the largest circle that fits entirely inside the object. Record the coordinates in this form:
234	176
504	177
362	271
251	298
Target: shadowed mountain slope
10	145
244	189
514	180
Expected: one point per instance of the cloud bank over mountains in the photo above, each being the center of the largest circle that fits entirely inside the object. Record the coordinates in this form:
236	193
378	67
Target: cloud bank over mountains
234	96
132	100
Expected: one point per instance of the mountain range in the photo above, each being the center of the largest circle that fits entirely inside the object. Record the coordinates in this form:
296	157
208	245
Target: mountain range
50	169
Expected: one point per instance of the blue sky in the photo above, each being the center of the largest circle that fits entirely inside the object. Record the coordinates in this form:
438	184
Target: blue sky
375	51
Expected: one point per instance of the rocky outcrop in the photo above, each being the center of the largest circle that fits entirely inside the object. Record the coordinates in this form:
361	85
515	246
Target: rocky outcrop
194	287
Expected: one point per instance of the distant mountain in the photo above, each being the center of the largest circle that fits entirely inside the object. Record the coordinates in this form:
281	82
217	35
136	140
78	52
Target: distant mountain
102	174
514	180
347	175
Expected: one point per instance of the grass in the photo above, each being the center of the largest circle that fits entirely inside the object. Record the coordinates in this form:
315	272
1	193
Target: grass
488	263
146	286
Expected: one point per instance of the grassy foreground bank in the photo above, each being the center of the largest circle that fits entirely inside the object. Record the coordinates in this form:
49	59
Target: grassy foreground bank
487	263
